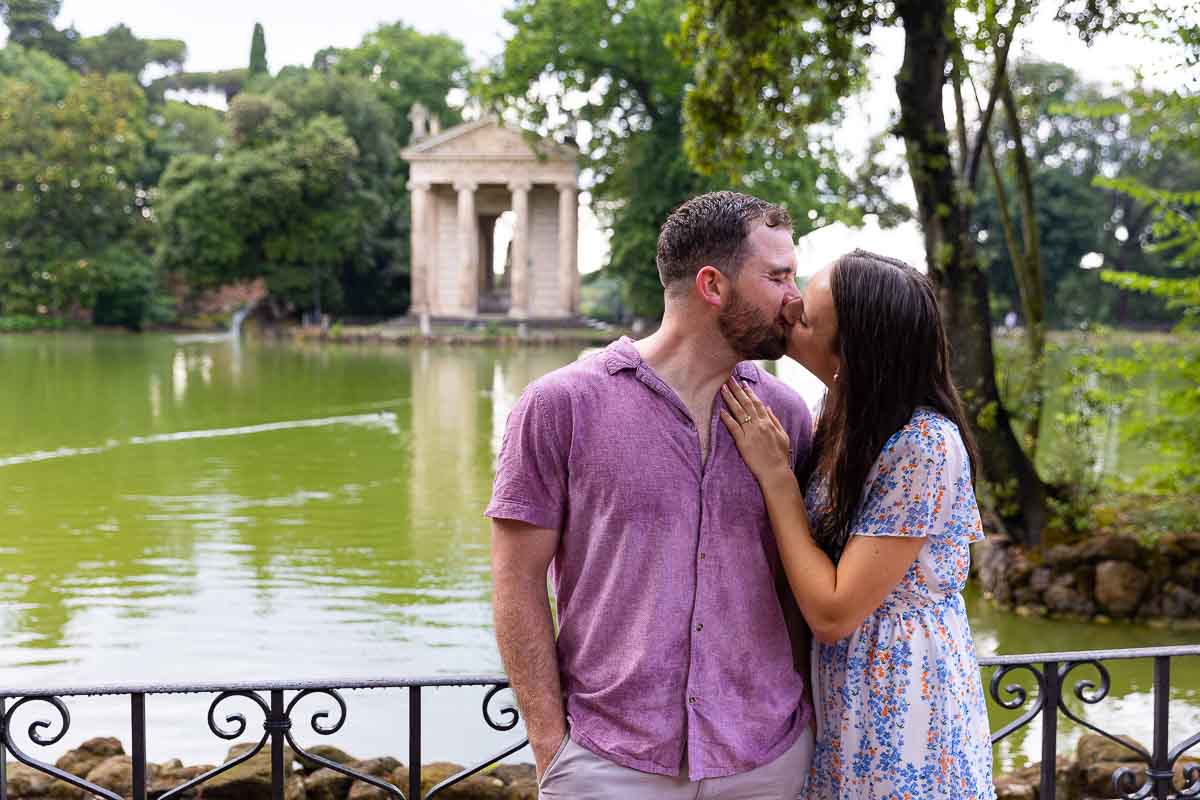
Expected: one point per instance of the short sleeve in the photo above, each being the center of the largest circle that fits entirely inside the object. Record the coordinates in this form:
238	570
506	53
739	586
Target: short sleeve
531	473
911	478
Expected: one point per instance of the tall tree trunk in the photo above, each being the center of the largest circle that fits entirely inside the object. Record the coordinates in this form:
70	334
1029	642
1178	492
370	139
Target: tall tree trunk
1029	268
963	286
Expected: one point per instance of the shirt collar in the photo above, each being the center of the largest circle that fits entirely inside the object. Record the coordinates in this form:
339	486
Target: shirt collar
622	355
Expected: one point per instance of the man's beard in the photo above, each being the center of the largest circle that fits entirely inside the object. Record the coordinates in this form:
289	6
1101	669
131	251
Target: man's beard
749	332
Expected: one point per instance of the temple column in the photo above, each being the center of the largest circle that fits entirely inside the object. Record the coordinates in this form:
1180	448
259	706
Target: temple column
468	248
568	247
422	242
519	282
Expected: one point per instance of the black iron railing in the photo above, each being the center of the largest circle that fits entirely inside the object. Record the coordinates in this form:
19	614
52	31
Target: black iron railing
277	700
1049	673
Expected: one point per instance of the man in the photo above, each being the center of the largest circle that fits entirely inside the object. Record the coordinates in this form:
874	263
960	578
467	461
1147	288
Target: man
672	671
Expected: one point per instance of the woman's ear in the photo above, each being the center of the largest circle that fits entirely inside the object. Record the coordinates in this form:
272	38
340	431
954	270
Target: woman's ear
712	286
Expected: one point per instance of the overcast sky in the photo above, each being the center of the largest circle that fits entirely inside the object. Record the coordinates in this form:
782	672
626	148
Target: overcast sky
218	32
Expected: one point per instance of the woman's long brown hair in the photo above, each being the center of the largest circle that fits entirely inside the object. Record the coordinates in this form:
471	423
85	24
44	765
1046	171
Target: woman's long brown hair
894	357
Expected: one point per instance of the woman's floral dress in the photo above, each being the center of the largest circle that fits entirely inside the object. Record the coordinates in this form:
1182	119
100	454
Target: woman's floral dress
899	703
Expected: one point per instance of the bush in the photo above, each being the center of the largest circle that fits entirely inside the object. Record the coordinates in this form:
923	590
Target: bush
128	293
24	323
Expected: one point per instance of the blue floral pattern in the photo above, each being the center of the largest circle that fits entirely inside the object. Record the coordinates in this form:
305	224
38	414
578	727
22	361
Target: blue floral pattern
899	703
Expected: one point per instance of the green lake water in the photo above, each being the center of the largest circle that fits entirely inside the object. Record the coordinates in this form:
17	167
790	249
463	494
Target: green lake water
191	509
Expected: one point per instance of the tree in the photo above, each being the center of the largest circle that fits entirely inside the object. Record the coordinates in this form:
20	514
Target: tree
834	32
50	78
1174	122
258	51
406	67
119	50
602	75
1076	132
70	195
270	208
30	24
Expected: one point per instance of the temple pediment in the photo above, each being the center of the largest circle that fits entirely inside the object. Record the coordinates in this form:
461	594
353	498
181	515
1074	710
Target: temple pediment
487	139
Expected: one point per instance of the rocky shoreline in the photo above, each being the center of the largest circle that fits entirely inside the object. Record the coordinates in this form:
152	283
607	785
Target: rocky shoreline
1108	576
102	761
1087	774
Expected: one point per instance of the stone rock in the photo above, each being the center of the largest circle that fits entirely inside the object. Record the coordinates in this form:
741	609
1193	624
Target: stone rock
325	784
511	773
1178	602
1093	748
116	774
1190	542
522	789
476	787
1187	571
993	556
61	790
250	780
1019	785
171	774
1040	579
327	752
1061	557
384	768
295	789
1120	586
87	756
1097	778
26	781
1110	547
1063	598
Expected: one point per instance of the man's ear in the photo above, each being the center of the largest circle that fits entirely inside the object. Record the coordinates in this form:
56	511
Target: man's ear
713	286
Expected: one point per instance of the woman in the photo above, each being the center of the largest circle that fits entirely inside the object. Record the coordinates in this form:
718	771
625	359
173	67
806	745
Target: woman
876	549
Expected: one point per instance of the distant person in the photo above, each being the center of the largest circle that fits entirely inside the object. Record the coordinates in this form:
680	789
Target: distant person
672	675
874	533
1010	320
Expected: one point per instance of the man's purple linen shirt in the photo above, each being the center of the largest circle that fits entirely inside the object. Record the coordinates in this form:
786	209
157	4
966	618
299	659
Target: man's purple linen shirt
670	630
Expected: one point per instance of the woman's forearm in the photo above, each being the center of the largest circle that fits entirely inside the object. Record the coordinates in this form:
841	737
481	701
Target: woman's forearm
835	599
810	572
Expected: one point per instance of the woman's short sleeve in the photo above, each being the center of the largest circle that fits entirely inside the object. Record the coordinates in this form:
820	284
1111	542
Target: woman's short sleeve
916	468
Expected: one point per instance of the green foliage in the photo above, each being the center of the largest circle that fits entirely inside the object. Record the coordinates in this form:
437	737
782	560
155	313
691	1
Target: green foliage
601	75
405	67
50	77
178	129
127	291
30	24
1119	420
227	81
69	173
1078	134
27	323
766	82
276	210
119	50
258	51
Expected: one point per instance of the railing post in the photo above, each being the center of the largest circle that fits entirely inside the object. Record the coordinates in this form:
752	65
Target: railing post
137	715
414	743
1050	732
1160	771
3	754
277	725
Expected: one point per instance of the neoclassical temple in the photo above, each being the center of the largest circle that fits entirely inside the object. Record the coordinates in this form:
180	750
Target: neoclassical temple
461	180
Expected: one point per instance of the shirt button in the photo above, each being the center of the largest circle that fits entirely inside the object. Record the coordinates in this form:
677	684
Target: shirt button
701	556
691	701
699	627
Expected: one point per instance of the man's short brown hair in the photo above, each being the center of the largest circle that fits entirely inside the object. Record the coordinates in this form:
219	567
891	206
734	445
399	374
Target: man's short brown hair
711	229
